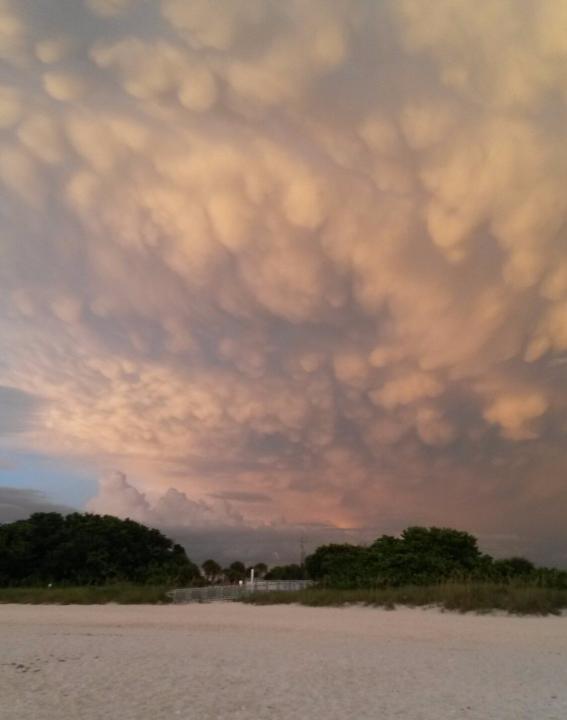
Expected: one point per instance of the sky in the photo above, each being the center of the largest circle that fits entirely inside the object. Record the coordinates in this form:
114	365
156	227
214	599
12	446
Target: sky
272	270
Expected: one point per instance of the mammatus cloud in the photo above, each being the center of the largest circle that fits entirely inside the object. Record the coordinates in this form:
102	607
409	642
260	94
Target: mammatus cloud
18	412
313	252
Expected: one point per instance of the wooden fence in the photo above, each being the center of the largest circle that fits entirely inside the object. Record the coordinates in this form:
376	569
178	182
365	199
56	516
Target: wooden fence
212	593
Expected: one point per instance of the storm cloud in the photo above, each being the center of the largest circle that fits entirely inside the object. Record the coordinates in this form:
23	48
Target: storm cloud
18	411
20	503
312	253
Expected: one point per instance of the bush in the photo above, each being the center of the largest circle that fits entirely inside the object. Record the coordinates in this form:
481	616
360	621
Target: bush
339	565
422	556
86	549
286	572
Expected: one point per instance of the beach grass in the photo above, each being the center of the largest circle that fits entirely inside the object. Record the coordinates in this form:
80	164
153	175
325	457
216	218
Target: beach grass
459	597
124	594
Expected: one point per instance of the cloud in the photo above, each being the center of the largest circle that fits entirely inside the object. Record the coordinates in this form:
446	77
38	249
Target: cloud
119	497
18	504
516	413
274	545
63	86
241	496
18	411
308	252
109	8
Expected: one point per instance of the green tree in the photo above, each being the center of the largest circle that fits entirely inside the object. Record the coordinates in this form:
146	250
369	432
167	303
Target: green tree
86	549
339	565
419	556
260	570
286	572
212	570
423	555
513	567
235	572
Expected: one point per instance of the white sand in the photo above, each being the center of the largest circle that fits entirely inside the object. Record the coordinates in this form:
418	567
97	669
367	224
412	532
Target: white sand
233	661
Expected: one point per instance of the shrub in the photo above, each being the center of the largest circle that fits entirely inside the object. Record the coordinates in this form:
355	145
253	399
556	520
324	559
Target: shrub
86	549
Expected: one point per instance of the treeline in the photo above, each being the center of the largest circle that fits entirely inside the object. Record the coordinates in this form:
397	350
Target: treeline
86	549
237	571
422	556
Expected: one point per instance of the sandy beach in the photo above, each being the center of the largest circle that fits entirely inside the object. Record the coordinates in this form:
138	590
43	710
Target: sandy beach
216	661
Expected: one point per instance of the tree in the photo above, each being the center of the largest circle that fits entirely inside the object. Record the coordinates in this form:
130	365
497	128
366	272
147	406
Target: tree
513	567
445	545
434	554
236	571
419	556
340	565
86	549
422	555
286	572
260	569
211	569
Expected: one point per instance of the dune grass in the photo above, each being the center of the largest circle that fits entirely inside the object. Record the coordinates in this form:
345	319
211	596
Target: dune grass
124	594
458	597
465	597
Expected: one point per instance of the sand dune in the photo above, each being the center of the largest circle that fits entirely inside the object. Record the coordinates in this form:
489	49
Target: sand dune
211	662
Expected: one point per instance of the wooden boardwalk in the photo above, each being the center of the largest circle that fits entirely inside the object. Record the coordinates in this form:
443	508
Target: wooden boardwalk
212	593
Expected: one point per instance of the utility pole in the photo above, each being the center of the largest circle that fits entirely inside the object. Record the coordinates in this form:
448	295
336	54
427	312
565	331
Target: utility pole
301	551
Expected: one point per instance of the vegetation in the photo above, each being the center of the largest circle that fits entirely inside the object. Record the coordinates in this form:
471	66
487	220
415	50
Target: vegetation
462	597
235	572
260	570
422	556
211	570
85	558
286	572
425	566
124	594
85	549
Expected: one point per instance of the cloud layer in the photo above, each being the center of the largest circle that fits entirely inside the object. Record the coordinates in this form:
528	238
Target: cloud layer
18	504
312	253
